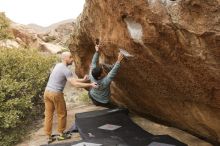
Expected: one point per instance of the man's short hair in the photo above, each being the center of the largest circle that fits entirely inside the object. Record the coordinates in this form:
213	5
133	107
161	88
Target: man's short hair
96	72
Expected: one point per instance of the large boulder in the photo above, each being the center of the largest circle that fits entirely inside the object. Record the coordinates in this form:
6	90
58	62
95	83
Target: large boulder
51	48
25	36
174	75
7	43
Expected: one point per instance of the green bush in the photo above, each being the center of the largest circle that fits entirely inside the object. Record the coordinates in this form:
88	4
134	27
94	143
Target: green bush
23	77
5	32
84	98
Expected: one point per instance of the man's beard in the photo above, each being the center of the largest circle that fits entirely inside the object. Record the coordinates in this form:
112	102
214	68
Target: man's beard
69	63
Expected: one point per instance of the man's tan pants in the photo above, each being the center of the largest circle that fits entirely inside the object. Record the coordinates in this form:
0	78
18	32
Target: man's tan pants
54	101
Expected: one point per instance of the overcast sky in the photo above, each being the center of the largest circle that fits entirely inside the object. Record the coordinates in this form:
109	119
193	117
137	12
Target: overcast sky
41	12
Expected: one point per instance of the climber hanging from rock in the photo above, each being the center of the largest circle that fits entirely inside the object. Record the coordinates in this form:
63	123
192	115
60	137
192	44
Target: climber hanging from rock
103	75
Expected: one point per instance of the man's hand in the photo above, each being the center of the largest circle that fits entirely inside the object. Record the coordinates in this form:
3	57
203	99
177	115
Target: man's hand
94	85
120	57
97	48
86	78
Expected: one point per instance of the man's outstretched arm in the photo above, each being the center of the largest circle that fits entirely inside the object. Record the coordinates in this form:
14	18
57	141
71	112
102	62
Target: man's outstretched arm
83	80
114	70
95	57
78	84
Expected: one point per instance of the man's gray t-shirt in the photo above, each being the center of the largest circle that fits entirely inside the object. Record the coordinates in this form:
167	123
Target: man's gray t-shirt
58	78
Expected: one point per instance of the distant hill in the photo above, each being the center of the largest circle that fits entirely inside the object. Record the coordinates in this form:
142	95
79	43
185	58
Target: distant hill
37	28
41	29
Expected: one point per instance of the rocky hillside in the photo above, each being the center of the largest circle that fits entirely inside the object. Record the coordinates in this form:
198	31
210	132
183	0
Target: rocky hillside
58	33
50	39
174	75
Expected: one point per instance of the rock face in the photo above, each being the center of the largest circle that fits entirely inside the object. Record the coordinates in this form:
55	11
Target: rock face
174	75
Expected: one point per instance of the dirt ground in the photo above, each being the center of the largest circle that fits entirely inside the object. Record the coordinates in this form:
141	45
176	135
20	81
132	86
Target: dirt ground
77	105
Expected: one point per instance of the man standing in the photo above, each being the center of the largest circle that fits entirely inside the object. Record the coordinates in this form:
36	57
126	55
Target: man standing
54	98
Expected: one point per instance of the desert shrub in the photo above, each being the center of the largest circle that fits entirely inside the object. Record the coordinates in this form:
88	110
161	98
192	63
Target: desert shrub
5	32
83	97
23	77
